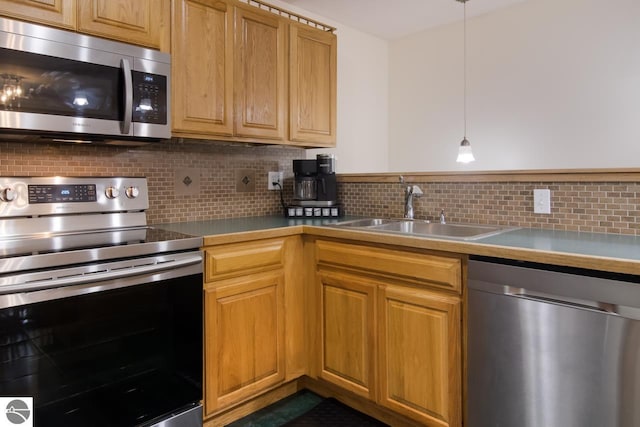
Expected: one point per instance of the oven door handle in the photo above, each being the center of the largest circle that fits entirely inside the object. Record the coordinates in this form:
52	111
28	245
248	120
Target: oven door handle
102	275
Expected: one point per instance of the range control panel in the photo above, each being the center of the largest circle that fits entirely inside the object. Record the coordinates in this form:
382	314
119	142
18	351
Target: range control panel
59	193
37	196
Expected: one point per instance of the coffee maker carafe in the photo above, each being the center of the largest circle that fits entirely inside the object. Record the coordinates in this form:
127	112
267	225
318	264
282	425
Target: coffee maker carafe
304	184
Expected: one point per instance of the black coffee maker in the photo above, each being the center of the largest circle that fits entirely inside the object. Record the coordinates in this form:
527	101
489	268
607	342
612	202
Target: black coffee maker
315	188
327	186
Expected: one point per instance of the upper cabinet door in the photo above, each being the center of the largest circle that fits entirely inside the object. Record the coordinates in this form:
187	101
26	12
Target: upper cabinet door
202	67
141	22
58	13
313	75
260	74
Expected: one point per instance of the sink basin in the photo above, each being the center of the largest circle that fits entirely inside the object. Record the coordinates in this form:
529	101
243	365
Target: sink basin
457	231
366	223
425	228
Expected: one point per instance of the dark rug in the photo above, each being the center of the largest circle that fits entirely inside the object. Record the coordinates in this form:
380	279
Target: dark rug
330	412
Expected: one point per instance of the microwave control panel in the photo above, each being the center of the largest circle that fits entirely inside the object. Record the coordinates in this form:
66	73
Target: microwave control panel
149	98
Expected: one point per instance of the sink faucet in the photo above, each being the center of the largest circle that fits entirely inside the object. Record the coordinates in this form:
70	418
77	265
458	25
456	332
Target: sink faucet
410	192
443	220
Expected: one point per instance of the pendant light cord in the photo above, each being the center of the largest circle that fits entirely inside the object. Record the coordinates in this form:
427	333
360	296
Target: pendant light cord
464	63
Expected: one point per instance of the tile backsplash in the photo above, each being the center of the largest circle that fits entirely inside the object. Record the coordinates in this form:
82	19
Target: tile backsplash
202	180
601	207
210	167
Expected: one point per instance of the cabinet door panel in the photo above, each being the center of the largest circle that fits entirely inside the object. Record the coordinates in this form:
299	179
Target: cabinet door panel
245	338
260	74
313	71
142	22
347	332
202	67
420	355
59	13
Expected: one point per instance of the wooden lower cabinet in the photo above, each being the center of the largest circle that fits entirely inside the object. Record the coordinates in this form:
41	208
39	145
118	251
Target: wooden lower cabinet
252	345
245	324
419	350
348	332
387	339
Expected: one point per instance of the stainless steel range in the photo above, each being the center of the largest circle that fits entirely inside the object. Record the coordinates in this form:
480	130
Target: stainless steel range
100	314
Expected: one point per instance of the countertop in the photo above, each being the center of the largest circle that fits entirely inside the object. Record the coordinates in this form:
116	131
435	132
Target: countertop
217	227
605	252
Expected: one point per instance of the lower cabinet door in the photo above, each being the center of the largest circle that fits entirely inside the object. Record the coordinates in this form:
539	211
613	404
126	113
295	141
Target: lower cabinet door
244	338
347	332
419	355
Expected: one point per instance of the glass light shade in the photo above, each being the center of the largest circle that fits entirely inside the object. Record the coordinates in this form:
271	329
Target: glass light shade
465	155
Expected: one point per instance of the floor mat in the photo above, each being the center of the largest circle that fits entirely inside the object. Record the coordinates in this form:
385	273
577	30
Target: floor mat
330	412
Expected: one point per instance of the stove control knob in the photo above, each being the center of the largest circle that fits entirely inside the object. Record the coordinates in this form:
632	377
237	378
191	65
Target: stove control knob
132	192
7	195
111	192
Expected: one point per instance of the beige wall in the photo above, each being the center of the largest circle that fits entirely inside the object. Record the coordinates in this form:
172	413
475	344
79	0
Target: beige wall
551	84
363	98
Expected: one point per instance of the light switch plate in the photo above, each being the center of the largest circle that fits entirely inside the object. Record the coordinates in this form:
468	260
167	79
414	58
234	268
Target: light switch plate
542	201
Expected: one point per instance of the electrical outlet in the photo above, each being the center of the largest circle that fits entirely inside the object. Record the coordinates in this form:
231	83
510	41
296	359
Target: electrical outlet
275	177
542	201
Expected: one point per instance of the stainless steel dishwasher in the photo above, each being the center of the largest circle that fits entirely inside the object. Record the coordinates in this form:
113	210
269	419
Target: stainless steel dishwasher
550	347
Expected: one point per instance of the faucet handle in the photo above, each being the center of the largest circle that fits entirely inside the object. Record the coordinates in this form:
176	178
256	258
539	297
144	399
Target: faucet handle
417	191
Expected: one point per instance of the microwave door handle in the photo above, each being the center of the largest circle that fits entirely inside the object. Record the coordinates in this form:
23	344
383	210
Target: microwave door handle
128	95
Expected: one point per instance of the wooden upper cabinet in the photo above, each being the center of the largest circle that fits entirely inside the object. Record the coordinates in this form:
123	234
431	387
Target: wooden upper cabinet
202	67
141	22
313	85
245	74
260	88
57	13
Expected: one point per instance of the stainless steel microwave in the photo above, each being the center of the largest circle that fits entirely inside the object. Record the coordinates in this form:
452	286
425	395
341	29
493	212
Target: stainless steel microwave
60	85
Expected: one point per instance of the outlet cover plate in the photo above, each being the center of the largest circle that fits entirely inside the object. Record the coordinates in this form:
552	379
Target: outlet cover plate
542	201
275	177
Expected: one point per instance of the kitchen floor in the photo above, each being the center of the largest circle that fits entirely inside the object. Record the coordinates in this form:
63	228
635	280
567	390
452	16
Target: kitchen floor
307	409
281	412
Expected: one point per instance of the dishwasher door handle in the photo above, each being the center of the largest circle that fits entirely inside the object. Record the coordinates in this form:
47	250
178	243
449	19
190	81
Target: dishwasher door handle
600	307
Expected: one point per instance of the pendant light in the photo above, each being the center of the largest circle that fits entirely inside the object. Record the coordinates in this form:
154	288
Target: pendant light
465	155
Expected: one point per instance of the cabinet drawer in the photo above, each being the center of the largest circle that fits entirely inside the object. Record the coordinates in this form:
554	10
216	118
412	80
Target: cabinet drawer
435	270
238	259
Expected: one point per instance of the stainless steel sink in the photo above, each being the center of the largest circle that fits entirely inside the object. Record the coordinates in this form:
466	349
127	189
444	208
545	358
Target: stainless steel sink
426	228
366	223
458	231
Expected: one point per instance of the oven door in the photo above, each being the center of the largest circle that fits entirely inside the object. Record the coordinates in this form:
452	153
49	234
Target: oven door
116	350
